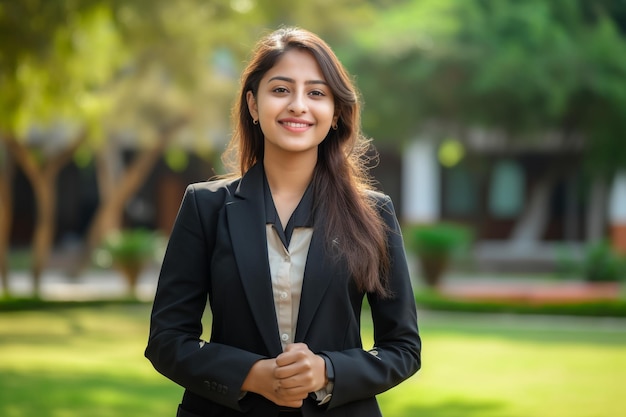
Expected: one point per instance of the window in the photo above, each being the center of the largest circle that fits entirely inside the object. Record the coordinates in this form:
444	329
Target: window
506	190
460	192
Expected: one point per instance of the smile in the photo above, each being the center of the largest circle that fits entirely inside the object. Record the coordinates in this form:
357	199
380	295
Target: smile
295	125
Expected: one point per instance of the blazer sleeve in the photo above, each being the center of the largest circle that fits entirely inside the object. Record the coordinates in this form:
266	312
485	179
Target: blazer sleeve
396	354
212	370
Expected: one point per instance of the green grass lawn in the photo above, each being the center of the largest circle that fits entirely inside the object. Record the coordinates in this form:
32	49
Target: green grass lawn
78	362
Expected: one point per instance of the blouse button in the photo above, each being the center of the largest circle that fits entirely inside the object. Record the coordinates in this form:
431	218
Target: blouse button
283	295
284	337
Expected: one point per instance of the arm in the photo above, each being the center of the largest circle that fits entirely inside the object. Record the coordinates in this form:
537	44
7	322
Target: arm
397	345
212	370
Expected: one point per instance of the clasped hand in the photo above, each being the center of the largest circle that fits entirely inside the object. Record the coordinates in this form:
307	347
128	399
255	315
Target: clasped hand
289	378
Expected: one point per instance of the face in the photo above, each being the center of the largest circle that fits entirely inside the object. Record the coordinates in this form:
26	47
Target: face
294	105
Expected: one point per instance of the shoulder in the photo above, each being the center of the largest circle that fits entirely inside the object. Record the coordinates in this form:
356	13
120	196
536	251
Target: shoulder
384	205
217	186
214	192
381	200
377	196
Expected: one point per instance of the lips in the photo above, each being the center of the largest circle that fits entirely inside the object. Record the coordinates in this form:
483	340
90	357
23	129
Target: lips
295	123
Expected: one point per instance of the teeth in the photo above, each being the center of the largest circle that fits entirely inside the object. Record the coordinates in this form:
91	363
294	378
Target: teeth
291	124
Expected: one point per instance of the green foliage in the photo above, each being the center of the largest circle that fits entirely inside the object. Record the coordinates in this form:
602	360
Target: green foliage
519	67
433	300
131	247
56	67
133	66
599	263
437	239
603	264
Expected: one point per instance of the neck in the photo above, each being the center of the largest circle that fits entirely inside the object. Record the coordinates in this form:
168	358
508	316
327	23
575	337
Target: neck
289	175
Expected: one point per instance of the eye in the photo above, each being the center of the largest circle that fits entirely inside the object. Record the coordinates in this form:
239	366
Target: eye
317	93
280	90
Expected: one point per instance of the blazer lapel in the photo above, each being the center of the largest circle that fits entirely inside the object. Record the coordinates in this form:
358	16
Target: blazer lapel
318	273
246	221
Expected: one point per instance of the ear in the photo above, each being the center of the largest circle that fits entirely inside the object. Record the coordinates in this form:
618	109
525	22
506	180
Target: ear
252	106
336	116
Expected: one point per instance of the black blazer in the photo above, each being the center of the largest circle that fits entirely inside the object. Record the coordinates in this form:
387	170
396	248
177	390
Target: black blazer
218	249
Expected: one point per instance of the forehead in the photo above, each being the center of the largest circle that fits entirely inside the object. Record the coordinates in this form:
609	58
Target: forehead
297	64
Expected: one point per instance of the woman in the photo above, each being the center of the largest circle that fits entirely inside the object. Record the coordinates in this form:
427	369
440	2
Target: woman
286	249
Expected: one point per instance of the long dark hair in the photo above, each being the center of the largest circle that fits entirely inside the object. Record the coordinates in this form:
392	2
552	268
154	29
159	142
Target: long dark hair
340	179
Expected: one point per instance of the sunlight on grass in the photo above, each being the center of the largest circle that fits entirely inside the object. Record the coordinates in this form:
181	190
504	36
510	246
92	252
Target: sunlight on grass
89	362
504	378
515	369
80	362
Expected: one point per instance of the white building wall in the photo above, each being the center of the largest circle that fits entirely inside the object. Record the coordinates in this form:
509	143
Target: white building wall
420	183
617	200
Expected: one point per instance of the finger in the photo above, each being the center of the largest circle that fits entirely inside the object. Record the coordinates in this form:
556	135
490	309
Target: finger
292	356
292	394
289	371
304	380
286	358
296	346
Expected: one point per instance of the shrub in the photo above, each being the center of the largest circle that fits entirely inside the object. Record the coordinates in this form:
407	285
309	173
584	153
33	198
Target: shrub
603	264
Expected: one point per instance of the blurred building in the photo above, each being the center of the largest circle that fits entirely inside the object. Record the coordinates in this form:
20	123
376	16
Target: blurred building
525	204
530	206
154	206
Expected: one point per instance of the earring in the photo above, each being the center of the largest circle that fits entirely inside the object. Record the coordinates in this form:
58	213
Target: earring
335	126
254	121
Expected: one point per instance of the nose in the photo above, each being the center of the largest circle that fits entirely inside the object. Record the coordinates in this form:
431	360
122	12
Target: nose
297	105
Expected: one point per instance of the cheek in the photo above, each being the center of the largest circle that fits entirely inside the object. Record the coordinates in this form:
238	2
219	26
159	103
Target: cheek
327	113
269	109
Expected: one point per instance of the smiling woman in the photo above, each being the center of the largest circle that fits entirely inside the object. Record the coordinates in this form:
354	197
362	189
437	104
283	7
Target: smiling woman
295	108
286	249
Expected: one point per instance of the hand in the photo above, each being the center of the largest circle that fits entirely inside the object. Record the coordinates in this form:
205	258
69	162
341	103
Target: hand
288	379
299	372
261	380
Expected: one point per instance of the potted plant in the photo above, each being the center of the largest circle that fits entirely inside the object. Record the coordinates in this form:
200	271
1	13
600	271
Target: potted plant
130	251
601	264
434	244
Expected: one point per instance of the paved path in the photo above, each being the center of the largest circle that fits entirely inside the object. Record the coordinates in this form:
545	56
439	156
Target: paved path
92	285
103	284
529	289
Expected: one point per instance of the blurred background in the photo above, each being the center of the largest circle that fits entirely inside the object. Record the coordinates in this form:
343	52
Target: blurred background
501	132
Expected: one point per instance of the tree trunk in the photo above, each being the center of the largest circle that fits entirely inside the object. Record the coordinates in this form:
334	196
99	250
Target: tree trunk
45	194
6	216
42	177
113	199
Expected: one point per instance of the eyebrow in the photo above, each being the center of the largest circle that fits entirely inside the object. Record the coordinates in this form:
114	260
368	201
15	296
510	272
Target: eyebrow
292	81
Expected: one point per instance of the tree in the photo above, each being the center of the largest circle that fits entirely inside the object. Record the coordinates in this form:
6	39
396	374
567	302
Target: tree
186	57
6	214
43	121
85	79
520	66
171	89
523	69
